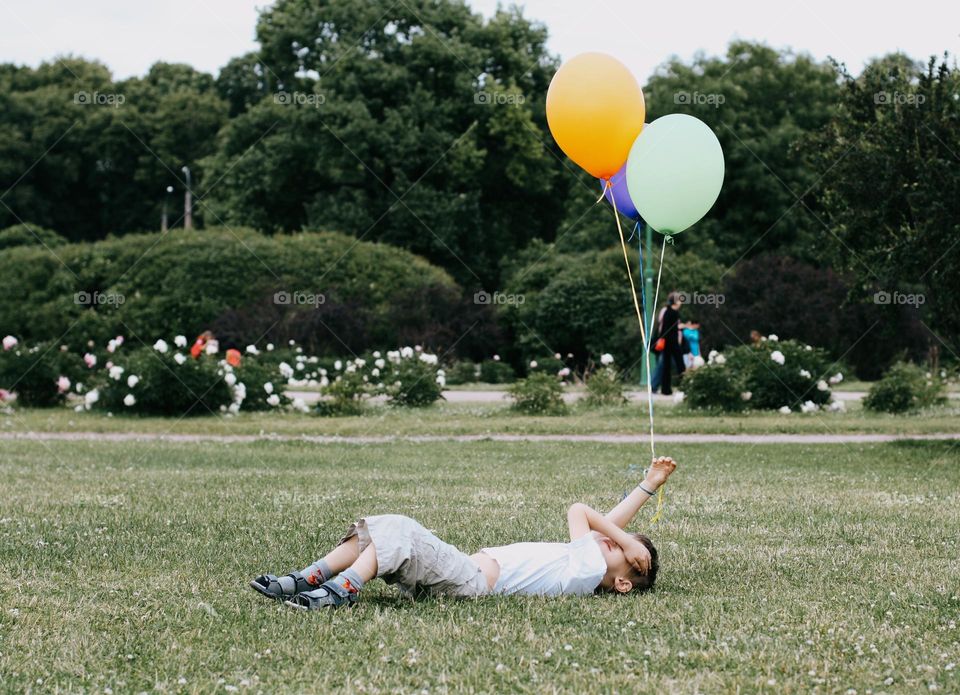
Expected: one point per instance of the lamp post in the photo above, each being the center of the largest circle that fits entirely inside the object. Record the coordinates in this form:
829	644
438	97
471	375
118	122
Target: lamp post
163	217
187	201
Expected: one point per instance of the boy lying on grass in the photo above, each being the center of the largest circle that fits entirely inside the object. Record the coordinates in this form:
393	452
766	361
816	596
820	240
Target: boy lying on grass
600	558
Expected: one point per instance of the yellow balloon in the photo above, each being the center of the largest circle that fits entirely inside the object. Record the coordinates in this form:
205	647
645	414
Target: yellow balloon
595	111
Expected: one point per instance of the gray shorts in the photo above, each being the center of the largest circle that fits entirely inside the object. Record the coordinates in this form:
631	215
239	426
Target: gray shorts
414	559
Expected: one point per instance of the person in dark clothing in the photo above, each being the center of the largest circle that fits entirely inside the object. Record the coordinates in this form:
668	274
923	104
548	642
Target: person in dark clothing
672	354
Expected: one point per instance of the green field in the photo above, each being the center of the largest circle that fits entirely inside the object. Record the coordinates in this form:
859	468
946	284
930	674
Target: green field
460	418
814	568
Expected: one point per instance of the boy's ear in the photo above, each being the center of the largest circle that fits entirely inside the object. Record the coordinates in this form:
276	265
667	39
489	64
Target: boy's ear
622	585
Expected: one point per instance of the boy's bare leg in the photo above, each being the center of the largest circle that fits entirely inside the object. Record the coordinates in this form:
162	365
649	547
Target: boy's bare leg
344	588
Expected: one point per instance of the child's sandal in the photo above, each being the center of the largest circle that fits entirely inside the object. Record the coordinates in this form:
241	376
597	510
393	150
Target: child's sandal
329	595
272	586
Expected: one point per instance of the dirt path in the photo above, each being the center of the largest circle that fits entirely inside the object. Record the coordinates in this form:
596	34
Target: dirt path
600	438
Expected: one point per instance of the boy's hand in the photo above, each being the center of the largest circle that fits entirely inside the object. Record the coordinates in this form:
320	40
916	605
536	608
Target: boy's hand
637	555
659	471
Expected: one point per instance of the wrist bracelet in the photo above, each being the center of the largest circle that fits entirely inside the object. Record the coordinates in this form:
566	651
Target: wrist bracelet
646	490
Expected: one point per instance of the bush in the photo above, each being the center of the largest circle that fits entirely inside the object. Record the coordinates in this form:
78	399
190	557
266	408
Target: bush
548	365
413	379
33	373
318	288
463	372
605	387
714	387
538	394
29	235
496	372
149	382
254	376
905	387
344	393
769	376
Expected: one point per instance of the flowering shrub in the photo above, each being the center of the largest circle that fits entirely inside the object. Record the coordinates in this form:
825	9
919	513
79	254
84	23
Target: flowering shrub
605	386
39	375
547	365
261	385
538	394
715	388
345	391
771	375
905	387
413	378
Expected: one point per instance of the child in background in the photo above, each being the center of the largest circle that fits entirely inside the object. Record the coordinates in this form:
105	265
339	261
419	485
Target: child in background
600	558
691	336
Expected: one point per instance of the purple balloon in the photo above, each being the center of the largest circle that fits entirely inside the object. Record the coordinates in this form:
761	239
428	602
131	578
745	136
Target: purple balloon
618	192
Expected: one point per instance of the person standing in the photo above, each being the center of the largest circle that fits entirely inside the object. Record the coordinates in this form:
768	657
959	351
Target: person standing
672	354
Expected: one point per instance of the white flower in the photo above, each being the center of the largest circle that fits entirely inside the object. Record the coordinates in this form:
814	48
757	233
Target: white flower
836	378
79	387
822	385
268	387
180	341
746	395
129	400
179	358
785	410
252	350
116	371
212	347
161	346
428	358
418	348
393	355
777	357
269	347
557	356
406	352
441	379
233	408
564	373
496	358
533	364
360	363
351	368
380	363
808	348
808	407
286	371
606	359
112	346
91	397
300	366
240	392
300	405
63	384
773	337
805	374
375	372
678	396
9	342
90	360
133	380
230	378
273	400
837	407
376	354
338	365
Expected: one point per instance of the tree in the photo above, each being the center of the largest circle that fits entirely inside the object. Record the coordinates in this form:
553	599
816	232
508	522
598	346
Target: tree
892	198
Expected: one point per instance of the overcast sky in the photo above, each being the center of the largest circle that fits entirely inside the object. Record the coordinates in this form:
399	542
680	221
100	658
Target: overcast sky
130	35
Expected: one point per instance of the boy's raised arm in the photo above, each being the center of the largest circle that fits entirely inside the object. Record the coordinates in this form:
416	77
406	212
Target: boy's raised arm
657	475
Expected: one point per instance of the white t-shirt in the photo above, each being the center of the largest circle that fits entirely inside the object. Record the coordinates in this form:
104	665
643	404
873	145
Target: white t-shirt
549	569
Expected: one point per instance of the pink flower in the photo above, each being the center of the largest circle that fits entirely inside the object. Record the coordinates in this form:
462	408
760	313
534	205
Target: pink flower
90	360
9	342
63	384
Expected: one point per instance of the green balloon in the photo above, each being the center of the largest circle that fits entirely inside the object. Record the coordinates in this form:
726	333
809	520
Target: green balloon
674	172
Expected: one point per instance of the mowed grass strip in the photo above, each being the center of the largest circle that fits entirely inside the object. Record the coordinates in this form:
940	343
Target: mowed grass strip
492	418
784	569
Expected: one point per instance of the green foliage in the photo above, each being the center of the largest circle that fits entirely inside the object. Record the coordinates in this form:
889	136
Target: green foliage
714	387
893	194
538	394
164	386
413	381
496	372
254	375
333	291
753	376
33	372
604	388
29	235
345	393
905	387
463	372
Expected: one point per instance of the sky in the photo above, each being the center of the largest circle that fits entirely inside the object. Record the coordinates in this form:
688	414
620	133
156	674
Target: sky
130	35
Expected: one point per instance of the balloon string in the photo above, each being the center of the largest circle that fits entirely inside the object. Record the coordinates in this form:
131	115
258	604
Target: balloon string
656	297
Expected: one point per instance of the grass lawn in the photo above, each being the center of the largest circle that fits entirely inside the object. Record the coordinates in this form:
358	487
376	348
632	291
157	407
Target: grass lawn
784	569
461	418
